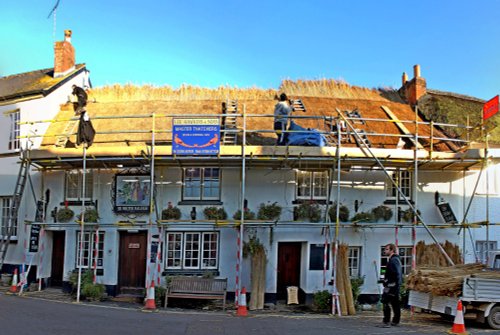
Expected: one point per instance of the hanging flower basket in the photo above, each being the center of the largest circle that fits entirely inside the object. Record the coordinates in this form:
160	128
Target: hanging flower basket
308	211
90	215
171	213
343	213
363	217
247	215
64	215
382	212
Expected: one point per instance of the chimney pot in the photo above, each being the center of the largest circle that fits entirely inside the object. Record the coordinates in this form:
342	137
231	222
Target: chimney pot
416	71
405	78
67	35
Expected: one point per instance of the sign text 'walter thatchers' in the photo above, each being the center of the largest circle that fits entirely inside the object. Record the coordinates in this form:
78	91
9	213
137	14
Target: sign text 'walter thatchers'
196	136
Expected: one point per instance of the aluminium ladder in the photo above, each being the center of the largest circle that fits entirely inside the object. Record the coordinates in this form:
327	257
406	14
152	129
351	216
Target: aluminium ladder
10	228
229	122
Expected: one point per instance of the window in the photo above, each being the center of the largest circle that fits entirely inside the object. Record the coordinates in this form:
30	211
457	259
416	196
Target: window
482	247
312	185
192	250
15	130
91	250
74	183
4	227
317	257
402	178
404	256
354	259
201	184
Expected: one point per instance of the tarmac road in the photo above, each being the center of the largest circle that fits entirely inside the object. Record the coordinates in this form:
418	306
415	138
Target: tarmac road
33	316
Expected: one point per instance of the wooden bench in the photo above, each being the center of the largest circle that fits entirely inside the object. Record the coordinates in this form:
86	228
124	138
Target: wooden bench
197	288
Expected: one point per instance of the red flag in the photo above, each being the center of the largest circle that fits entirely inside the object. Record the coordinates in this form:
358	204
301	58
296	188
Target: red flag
490	108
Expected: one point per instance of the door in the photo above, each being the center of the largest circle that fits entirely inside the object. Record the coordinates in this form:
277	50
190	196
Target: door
57	269
288	267
132	264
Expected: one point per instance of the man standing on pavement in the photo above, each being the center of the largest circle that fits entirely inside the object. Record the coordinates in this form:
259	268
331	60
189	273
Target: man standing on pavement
392	281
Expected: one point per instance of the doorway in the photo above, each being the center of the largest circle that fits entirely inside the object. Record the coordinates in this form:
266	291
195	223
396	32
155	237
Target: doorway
289	254
132	264
57	268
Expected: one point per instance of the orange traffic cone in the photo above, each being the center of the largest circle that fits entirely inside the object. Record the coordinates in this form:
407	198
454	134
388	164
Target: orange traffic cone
150	299
242	306
458	325
13	285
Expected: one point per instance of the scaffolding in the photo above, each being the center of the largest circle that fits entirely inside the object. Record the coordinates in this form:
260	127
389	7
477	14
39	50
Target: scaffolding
336	158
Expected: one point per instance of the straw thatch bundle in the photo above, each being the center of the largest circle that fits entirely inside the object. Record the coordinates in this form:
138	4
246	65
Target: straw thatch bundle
344	282
430	255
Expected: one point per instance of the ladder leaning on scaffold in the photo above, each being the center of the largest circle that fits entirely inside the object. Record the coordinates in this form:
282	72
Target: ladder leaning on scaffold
10	228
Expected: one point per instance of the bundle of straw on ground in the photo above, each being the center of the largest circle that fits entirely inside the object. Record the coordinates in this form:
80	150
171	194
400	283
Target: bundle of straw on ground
444	281
344	282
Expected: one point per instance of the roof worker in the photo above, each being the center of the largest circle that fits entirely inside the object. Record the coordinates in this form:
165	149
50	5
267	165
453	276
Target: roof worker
80	99
282	111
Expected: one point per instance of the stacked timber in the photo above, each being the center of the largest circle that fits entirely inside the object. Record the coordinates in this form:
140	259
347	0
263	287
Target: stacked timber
344	282
443	281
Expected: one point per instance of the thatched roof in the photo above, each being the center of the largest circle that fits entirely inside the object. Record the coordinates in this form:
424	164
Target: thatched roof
116	121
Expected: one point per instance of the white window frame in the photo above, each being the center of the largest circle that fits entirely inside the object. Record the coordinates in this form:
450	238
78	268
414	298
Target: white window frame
311	185
15	130
354	261
6	202
402	178
73	185
481	249
182	253
89	246
202	183
404	252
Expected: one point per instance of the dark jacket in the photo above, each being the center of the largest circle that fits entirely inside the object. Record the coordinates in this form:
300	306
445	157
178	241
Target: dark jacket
393	272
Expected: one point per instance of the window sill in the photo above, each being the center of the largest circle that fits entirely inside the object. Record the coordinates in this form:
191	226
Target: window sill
77	203
13	239
316	201
200	202
401	202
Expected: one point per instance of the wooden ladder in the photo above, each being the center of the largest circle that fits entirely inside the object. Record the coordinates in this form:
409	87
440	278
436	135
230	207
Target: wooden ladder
69	130
229	122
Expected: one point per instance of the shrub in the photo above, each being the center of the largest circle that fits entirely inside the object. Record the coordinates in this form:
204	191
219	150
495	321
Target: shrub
356	283
215	213
363	216
171	213
93	292
308	211
65	214
322	300
382	212
160	295
247	215
269	211
343	213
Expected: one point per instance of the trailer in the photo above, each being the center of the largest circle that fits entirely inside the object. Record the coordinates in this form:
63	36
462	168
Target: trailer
480	296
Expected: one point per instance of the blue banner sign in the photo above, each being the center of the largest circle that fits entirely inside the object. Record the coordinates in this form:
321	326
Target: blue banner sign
196	136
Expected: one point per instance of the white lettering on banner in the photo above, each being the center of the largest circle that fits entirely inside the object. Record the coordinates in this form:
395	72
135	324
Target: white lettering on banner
197	122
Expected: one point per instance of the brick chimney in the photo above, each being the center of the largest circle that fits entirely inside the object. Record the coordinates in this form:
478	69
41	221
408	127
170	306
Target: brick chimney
412	90
64	56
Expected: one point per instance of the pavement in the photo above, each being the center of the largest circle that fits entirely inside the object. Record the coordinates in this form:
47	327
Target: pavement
419	323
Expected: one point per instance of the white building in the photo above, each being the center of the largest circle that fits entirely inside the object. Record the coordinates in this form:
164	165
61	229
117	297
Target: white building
133	146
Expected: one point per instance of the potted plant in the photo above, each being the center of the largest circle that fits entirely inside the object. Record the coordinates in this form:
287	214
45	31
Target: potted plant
269	211
215	213
308	211
247	215
363	217
90	215
64	215
407	215
171	213
382	212
343	213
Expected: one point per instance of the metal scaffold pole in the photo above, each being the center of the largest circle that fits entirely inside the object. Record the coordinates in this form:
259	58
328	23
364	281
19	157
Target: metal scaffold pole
82	224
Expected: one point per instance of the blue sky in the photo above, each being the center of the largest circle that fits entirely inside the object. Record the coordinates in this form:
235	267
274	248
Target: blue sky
259	43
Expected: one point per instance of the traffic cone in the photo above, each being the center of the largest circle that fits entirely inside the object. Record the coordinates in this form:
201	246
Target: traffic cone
458	325
242	306
150	299
13	285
